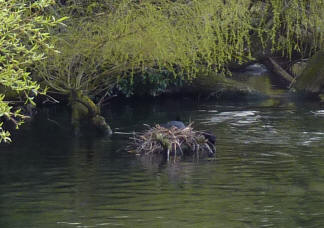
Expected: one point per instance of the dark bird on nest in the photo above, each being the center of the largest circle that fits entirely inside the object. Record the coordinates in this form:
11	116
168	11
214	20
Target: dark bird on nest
211	138
174	123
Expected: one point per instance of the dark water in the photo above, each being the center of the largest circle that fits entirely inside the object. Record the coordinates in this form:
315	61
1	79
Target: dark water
269	171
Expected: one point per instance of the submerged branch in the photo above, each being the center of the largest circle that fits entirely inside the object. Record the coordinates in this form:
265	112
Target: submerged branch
280	71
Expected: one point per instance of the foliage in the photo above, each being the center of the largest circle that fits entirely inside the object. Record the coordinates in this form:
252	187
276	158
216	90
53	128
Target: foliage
293	26
110	42
83	8
134	39
23	39
150	83
117	40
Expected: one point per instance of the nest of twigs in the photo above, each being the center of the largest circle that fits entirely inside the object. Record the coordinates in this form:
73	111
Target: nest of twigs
171	142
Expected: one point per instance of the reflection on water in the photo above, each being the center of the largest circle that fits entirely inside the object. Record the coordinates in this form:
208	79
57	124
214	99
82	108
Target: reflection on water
234	117
269	172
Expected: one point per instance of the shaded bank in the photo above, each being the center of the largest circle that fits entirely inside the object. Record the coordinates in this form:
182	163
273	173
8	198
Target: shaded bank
311	79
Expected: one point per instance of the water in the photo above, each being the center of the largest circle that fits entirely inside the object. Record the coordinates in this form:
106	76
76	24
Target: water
268	172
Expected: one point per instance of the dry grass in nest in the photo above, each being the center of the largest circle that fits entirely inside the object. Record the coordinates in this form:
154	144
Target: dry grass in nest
171	142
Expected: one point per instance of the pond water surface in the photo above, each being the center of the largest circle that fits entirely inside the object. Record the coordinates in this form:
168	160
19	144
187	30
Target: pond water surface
268	171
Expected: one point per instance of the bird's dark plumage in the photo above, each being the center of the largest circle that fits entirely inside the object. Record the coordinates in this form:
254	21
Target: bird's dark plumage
174	123
211	138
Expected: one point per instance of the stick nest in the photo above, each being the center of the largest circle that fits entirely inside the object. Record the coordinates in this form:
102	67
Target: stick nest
171	142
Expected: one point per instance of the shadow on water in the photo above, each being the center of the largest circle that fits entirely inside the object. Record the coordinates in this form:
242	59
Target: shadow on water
269	170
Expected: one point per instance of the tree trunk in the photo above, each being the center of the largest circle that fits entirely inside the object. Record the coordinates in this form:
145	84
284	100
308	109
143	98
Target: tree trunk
86	113
312	78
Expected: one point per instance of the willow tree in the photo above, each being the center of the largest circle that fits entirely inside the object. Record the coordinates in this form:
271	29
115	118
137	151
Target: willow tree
290	26
23	41
119	39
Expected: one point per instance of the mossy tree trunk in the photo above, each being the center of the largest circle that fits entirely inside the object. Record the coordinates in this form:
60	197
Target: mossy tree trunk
312	78
86	113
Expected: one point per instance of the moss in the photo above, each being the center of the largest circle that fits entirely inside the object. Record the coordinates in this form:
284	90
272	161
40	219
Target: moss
215	84
298	68
84	110
79	112
312	78
101	125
